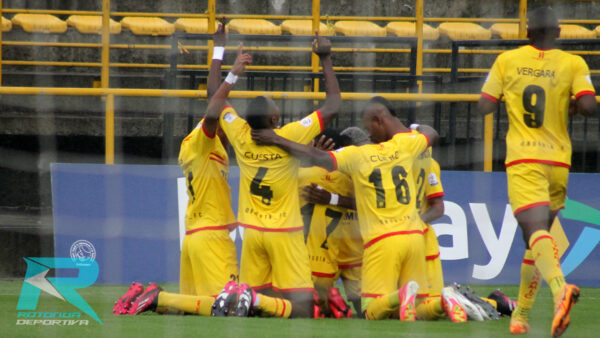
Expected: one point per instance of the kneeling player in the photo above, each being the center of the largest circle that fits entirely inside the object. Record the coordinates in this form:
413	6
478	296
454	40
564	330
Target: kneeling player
394	258
208	255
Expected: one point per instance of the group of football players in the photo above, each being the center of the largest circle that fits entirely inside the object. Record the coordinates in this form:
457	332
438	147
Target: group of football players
319	205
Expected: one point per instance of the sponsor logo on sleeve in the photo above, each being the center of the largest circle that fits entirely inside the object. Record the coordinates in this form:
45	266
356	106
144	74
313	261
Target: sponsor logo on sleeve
433	179
306	122
229	117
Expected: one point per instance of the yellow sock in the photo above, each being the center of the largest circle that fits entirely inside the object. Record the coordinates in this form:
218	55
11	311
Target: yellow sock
382	307
198	305
273	307
430	308
546	257
491	301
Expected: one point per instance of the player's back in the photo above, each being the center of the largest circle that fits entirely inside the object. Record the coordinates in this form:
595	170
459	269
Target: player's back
537	85
384	186
268	197
204	162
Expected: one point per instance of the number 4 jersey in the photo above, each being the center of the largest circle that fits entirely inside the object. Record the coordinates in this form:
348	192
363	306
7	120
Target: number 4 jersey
537	85
384	186
268	193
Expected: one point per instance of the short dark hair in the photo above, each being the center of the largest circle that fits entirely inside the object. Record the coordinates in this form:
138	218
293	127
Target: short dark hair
384	102
542	18
334	134
257	113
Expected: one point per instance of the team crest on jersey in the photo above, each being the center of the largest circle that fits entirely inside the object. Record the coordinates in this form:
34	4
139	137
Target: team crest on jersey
432	179
306	122
229	117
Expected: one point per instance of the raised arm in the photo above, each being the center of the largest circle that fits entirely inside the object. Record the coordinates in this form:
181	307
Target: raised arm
215	105
309	154
214	73
333	100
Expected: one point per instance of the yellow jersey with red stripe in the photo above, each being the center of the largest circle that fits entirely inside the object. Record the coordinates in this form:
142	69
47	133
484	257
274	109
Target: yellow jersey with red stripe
324	225
537	85
268	191
205	166
384	186
427	179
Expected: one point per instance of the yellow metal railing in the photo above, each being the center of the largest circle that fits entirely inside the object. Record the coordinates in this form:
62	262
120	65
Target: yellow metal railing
108	93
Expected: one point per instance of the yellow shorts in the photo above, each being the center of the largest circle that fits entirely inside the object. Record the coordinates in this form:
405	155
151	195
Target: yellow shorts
435	276
277	260
208	262
535	184
390	263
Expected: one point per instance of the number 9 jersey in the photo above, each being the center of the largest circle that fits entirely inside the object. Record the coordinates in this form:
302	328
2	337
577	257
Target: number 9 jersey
537	85
268	191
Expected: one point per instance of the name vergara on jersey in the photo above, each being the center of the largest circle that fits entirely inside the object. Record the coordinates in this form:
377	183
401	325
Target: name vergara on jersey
528	71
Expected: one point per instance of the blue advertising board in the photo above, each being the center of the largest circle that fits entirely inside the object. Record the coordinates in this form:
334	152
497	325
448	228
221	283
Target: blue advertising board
132	218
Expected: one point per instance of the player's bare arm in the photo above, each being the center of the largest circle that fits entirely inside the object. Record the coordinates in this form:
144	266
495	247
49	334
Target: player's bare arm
305	153
214	73
215	105
317	195
486	106
584	105
322	47
435	211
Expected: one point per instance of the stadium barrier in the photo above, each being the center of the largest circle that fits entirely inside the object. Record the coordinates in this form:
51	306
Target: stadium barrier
133	216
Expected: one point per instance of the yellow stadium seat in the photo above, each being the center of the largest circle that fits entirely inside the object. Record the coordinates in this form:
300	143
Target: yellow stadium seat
407	29
147	25
464	31
506	31
254	26
39	23
359	28
576	32
304	27
6	25
194	26
92	24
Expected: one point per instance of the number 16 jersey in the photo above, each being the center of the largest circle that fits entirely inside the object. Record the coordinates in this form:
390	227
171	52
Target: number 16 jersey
384	187
268	191
537	85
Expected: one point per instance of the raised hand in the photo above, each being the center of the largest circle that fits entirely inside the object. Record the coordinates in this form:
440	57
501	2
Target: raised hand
242	60
220	36
321	46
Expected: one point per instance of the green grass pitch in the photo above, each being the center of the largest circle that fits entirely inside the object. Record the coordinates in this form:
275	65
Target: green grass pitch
585	321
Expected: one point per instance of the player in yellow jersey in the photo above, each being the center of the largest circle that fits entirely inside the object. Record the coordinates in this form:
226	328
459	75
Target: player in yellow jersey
274	257
537	82
208	255
329	226
394	256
